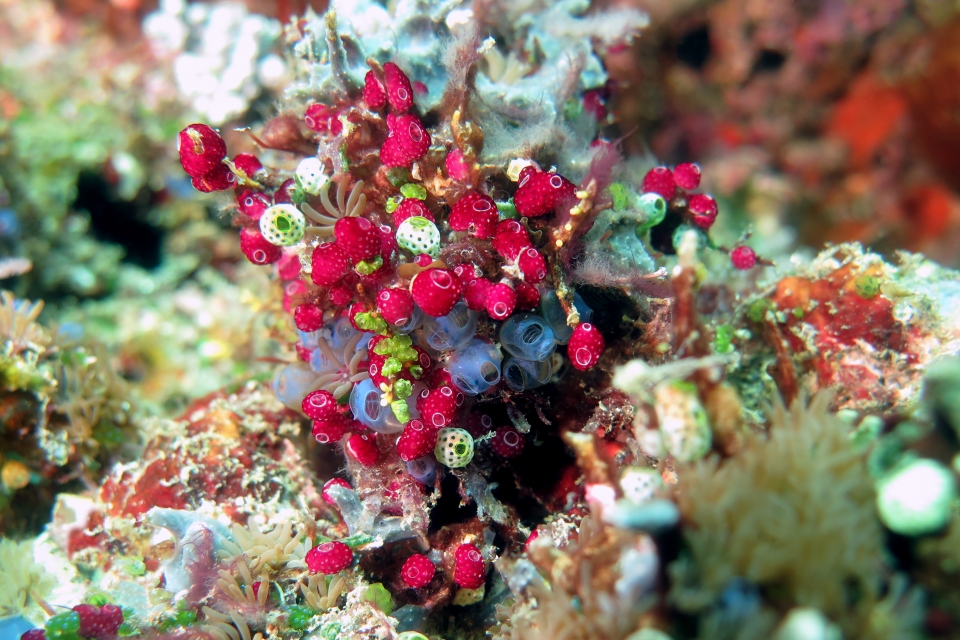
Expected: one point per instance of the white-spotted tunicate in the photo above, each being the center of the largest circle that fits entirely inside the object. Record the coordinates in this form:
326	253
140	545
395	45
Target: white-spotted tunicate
452	330
528	336
521	375
475	367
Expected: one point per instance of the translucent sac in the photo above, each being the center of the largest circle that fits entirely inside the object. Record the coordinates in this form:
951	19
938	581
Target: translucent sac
452	330
423	470
310	339
416	318
521	374
293	383
366	407
528	336
553	311
475	367
319	361
341	332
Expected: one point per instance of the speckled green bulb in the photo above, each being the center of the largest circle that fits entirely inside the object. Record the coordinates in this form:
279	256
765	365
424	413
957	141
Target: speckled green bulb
454	447
418	235
916	498
283	225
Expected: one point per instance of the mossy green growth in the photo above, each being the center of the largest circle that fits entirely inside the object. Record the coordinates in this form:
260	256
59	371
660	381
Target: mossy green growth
391	367
757	310
330	631
411	190
366	267
398	176
63	626
371	322
412	635
399	347
109	435
402	389
507	210
619	195
299	617
392	203
867	286
18	374
400	410
184	617
378	596
724	339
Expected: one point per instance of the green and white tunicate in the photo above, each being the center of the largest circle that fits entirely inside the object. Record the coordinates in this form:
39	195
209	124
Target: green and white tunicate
310	175
418	235
916	498
683	421
653	208
282	225
454	447
640	484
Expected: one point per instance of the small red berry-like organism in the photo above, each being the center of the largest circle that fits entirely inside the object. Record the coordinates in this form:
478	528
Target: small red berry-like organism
659	180
475	213
329	558
417	571
358	238
322	119
217	179
468	571
308	317
395	305
507	442
478	424
436	291
201	150
528	296
320	405
539	193
284	194
256	248
533	265
328	264
99	623
475	293
511	238
501	301
373	92
34	634
743	258
457	166
333	482
438	406
362	447
407	141
248	164
410	207
329	430
585	346
252	203
399	89
416	441
687	175
704	210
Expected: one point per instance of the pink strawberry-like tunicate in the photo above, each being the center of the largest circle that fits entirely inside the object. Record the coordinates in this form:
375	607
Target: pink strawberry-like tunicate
330	429
466	273
532	265
320	405
475	293
201	149
438	406
704	210
458	168
373	92
659	180
436	291
308	317
399	89
416	441
476	213
585	346
362	447
501	301
284	193
329	558
358	237
408	141
333	482
528	296
217	179
322	119
538	193
328	264
417	571
410	207
468	571
507	442
289	266
252	203
687	175
510	239
248	164
256	248
743	258
395	305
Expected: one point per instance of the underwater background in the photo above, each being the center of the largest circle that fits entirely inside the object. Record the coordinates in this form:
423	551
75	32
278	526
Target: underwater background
453	319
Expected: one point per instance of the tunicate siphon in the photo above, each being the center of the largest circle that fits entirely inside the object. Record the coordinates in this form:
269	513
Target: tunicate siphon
423	470
475	367
452	330
528	336
366	407
556	317
522	375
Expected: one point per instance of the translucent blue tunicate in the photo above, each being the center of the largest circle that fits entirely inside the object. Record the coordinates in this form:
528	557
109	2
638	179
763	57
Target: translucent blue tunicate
452	330
520	374
341	332
475	367
318	361
366	407
70	332
553	311
423	470
9	224
292	384
528	336
310	339
412	324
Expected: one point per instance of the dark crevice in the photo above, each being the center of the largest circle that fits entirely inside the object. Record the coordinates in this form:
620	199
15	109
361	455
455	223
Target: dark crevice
693	48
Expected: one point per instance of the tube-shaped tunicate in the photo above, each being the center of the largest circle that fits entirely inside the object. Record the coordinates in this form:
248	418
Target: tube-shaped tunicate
520	374
423	470
452	330
412	324
553	311
475	367
292	384
528	336
366	407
